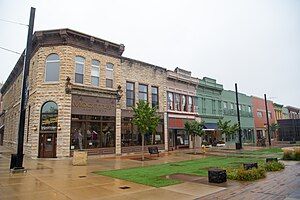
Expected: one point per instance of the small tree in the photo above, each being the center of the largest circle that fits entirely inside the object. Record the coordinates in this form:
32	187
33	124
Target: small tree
194	129
146	119
274	127
226	128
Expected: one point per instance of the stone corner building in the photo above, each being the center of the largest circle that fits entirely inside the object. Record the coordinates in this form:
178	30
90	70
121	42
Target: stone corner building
81	90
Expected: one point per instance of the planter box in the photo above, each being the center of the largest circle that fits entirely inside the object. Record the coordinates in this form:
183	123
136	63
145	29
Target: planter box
216	175
271	160
79	158
248	166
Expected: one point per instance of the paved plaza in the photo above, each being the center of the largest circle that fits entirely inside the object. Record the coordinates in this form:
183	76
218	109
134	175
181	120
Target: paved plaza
58	179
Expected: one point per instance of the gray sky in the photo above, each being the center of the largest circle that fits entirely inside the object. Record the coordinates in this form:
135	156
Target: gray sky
255	43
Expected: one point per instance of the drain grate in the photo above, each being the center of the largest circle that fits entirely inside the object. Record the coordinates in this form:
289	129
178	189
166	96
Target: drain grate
124	187
81	176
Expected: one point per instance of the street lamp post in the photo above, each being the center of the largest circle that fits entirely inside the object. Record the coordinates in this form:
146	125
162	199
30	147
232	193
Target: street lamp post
17	159
238	116
268	124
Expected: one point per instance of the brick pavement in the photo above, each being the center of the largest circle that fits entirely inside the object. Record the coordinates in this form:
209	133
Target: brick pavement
276	186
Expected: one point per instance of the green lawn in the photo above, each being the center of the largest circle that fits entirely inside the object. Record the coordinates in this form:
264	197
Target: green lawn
155	175
265	152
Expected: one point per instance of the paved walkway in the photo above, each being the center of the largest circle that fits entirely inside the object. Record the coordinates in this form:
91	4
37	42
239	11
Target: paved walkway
58	179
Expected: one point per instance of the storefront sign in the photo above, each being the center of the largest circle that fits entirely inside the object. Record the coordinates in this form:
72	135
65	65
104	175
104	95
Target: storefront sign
87	105
49	122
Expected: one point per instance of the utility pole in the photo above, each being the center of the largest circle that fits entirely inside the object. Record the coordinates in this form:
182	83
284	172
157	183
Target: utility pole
268	124
17	160
240	146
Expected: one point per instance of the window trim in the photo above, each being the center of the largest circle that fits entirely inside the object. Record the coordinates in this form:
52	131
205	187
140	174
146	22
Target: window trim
45	72
83	63
157	94
143	92
133	91
95	66
106	78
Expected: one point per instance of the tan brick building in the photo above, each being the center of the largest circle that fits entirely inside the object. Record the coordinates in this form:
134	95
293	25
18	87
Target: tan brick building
76	99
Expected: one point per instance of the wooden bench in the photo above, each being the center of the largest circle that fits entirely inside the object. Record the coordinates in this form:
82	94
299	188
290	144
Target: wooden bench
153	150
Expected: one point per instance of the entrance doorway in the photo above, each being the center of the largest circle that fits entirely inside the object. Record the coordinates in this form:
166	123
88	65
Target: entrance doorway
48	130
47	145
178	139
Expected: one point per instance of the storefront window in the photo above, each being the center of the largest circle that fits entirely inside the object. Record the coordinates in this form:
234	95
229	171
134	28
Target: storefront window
132	137
88	132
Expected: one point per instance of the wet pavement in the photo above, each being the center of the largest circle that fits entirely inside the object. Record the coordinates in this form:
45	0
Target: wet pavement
59	179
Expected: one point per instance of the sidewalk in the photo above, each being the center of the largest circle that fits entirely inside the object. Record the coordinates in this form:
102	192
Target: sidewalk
58	179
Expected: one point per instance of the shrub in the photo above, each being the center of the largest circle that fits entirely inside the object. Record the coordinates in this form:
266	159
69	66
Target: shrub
288	154
241	174
274	166
297	153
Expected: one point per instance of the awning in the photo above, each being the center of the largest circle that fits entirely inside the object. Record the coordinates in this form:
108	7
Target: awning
210	126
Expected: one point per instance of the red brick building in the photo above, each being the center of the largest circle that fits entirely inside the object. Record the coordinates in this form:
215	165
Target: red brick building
260	119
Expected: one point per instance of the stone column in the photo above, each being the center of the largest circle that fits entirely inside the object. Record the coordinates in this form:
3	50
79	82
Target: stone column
166	133
118	129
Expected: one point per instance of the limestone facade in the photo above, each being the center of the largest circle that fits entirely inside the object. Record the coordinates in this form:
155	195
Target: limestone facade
68	44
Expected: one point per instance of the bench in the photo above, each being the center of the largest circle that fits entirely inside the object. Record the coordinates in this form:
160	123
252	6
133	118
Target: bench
153	150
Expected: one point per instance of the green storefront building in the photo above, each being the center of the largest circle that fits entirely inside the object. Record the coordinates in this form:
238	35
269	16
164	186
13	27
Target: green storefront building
210	105
230	113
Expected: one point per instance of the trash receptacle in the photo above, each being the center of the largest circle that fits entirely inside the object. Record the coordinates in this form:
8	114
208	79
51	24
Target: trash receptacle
238	146
16	162
13	161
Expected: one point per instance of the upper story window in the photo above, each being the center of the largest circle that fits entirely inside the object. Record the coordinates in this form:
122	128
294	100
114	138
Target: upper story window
52	68
143	92
183	103
154	96
270	115
109	75
225	105
79	69
220	105
240	107
259	114
177	102
249	109
95	73
190	104
129	94
170	101
231	106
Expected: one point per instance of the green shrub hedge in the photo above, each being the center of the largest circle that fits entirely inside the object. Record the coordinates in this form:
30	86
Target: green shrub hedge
289	154
241	174
253	174
274	166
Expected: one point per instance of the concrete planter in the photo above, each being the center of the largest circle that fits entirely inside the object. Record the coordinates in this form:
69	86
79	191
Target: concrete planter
79	158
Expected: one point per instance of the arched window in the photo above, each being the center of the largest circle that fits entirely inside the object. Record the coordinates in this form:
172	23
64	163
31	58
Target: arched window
49	116
52	68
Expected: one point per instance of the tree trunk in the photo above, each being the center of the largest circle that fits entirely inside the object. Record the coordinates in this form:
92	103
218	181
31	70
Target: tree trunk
143	147
194	144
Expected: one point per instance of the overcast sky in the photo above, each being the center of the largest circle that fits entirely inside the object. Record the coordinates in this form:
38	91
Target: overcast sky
254	43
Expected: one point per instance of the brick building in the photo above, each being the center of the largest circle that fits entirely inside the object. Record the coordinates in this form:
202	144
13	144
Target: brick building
260	119
181	106
81	89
